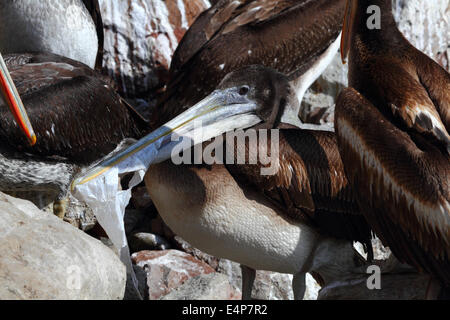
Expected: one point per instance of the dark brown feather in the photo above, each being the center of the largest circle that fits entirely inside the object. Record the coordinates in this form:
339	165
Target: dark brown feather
403	186
285	35
309	184
401	81
392	129
74	113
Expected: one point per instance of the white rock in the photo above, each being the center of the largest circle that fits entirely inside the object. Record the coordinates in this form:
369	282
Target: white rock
213	286
141	37
42	257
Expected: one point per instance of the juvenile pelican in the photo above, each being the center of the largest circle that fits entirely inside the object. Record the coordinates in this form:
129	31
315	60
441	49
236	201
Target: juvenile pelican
393	127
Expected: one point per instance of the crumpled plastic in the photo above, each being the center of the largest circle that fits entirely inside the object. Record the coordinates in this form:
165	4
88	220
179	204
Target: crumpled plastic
108	202
103	194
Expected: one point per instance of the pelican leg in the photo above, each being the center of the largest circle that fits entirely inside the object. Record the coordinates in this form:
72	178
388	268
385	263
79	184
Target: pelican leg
299	285
60	207
248	278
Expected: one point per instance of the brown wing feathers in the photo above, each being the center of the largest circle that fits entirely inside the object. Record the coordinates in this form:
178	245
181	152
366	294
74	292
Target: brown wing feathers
402	188
310	184
73	112
274	39
436	82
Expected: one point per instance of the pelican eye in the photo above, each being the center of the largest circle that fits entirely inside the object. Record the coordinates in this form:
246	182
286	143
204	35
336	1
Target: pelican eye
244	90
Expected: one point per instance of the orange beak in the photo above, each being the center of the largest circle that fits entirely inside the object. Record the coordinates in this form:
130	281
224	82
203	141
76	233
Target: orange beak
347	28
9	93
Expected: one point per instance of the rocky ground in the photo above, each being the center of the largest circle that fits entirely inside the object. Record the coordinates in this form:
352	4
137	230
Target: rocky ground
43	257
140	38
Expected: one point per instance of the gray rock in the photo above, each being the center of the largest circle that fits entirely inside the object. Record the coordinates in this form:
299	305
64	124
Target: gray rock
213	286
77	213
232	270
318	103
426	25
272	286
380	252
43	257
140	39
168	269
312	288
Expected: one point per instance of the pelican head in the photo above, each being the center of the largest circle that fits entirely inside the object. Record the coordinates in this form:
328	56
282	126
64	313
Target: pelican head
254	96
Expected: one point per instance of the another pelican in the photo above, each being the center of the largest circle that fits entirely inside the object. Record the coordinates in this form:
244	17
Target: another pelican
393	128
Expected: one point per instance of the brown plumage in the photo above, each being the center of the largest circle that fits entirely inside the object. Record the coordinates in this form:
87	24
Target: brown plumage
301	216
287	35
310	184
74	112
392	127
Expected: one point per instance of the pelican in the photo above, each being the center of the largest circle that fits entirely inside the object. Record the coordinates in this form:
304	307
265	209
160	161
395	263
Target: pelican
392	127
77	115
301	217
298	38
288	36
77	118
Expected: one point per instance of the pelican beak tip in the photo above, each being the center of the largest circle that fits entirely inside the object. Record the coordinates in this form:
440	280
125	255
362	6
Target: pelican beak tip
32	139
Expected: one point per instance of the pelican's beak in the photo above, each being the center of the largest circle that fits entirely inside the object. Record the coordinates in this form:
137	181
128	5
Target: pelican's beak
222	111
11	96
347	28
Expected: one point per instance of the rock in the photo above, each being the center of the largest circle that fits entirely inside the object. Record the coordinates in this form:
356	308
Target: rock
147	241
233	272
268	285
75	212
318	103
312	288
79	214
426	25
213	286
380	252
272	286
423	23
140	38
43	257
410	286
167	270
